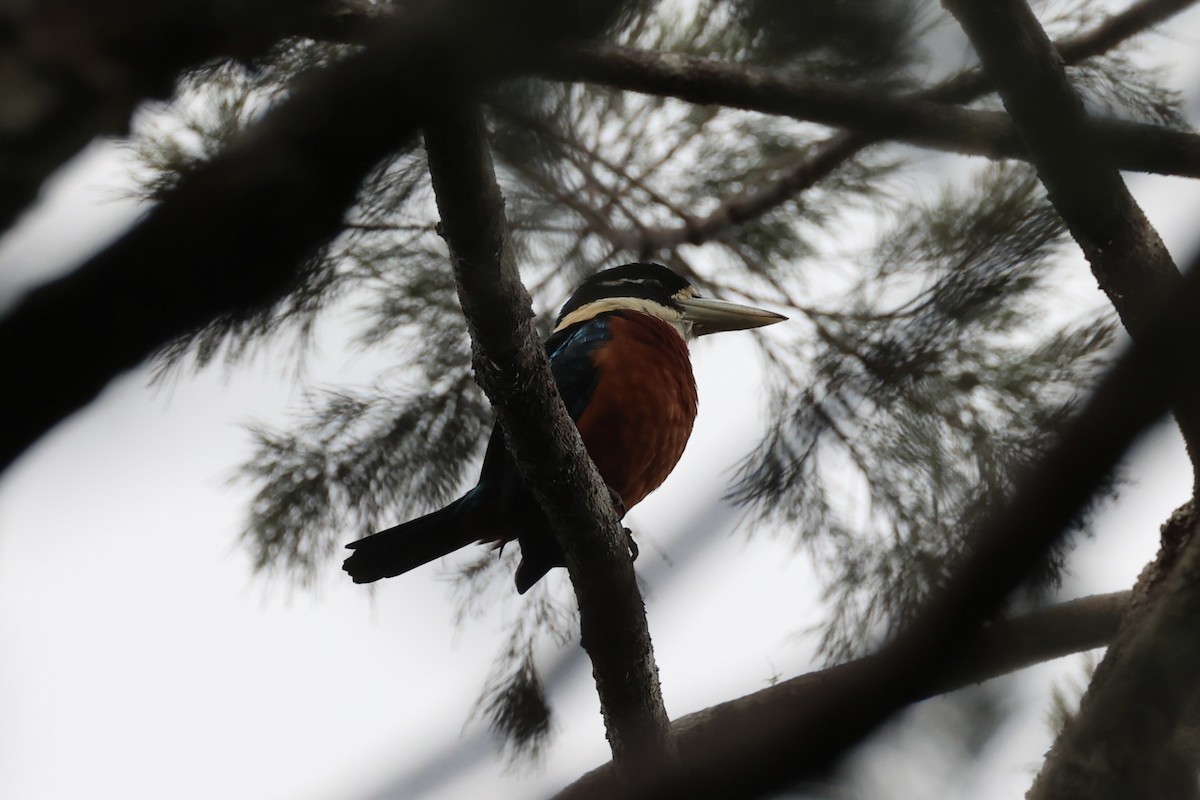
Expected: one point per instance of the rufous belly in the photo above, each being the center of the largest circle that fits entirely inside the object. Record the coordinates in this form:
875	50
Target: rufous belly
640	415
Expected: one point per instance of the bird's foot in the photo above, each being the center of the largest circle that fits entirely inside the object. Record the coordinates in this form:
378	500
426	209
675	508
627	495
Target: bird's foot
633	547
617	502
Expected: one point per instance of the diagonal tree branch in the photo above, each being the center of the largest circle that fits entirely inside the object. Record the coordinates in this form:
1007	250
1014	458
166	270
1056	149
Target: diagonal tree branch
1119	27
236	230
1134	733
511	366
753	202
1128	258
1120	745
1001	648
1069	151
1113	31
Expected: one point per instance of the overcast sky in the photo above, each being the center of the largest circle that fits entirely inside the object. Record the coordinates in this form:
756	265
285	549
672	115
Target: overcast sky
142	659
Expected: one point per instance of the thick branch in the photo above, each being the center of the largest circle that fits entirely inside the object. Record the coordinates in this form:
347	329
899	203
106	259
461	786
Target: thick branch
75	70
1134	734
233	233
1128	258
511	366
926	123
1000	649
1111	32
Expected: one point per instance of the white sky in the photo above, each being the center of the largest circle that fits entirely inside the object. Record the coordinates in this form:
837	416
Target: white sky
140	659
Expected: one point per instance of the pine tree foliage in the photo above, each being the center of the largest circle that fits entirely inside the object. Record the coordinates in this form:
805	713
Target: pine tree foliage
859	41
1066	694
1117	87
514	699
919	399
353	459
516	706
1119	84
922	369
213	105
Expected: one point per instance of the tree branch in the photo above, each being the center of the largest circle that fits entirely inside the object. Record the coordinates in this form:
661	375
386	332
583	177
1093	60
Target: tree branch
1001	648
754	202
1119	27
828	155
1119	744
511	366
1129	260
233	233
921	122
1110	33
1124	740
1127	256
75	70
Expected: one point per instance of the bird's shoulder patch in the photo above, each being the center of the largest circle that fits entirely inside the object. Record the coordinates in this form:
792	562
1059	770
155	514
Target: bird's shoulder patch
570	351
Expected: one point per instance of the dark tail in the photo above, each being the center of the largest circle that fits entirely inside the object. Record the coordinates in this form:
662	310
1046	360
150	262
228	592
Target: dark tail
408	546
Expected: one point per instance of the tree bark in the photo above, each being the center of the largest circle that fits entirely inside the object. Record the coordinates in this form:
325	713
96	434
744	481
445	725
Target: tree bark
1001	648
1135	732
511	366
1079	170
75	70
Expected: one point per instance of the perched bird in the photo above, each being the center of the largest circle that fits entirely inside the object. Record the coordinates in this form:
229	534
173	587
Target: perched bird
619	356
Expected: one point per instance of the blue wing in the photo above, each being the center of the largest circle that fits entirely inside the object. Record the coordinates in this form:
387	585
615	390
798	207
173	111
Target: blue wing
571	365
571	362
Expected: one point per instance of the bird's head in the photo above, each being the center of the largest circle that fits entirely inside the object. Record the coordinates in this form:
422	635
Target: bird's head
654	289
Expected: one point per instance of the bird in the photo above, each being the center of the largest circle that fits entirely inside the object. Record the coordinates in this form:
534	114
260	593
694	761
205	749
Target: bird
619	355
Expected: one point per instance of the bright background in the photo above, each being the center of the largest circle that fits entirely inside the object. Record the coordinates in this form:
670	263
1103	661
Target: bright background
140	658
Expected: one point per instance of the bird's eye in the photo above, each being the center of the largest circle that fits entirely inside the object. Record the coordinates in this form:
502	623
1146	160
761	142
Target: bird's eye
655	284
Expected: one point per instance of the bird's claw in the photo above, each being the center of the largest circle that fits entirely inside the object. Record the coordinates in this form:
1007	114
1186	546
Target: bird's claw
617	502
